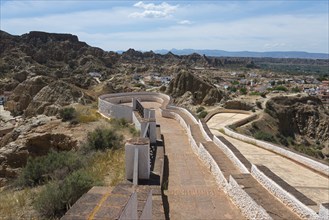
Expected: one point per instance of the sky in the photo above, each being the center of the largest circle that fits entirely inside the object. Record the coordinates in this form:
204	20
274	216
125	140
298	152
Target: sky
262	25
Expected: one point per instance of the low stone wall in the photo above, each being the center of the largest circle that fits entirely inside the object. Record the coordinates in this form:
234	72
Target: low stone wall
203	131
324	211
246	204
209	161
319	167
285	197
224	110
114	110
230	155
193	143
244	121
189	114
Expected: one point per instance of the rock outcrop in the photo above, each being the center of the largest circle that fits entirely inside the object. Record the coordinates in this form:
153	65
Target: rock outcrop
203	92
34	137
304	116
23	94
239	105
55	95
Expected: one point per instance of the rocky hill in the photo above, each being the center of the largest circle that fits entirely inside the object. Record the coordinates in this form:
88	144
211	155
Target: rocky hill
301	123
304	116
188	85
33	64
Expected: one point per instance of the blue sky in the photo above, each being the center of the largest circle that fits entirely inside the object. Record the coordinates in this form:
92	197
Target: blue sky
263	25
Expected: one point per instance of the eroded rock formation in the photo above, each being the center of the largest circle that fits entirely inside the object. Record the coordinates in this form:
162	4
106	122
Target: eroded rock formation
202	92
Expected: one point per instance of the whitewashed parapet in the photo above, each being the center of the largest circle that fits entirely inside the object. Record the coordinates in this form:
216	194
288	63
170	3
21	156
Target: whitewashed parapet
319	167
246	204
203	131
224	110
180	120
193	143
166	113
213	166
114	110
285	197
324	212
147	210
228	152
183	110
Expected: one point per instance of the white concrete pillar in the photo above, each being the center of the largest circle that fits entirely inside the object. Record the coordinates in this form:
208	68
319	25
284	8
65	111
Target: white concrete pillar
151	113
153	131
143	146
134	103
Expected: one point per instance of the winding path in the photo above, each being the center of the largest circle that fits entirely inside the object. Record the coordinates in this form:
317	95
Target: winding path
310	183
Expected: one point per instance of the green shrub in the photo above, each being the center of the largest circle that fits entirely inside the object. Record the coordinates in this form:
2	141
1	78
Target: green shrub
57	196
200	109
232	89
119	123
134	131
243	90
282	140
254	93
202	114
104	138
68	114
55	165
280	88
295	89
261	135
49	201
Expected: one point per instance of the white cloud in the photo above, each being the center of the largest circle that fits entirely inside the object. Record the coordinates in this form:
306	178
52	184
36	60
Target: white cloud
151	10
113	29
184	22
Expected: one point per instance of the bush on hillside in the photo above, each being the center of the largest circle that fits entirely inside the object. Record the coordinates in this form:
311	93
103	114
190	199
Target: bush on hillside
68	114
202	114
261	135
55	165
56	198
200	109
104	138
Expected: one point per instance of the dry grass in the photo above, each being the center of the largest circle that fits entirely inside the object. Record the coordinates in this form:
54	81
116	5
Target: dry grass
18	204
109	165
87	113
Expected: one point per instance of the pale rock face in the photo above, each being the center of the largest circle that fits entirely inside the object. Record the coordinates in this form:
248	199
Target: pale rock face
32	138
23	94
303	116
50	98
202	92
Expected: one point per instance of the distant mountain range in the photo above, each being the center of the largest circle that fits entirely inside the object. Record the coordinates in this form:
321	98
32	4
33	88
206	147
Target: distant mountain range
223	53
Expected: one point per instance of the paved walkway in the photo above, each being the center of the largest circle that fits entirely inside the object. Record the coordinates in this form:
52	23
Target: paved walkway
192	191
308	182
